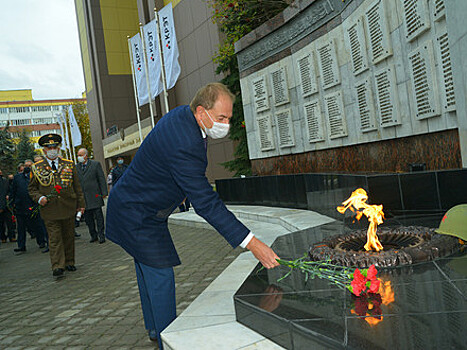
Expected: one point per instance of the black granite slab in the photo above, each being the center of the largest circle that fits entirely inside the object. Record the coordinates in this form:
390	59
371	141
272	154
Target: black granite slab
428	311
407	193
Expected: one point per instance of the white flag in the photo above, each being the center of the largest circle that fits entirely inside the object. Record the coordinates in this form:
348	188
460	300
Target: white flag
152	54
63	129
140	71
74	128
169	45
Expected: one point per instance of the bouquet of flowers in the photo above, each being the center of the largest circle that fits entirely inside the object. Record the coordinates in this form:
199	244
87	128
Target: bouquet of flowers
54	193
356	281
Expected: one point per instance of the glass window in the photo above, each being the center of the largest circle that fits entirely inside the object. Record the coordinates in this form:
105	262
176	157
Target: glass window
3	110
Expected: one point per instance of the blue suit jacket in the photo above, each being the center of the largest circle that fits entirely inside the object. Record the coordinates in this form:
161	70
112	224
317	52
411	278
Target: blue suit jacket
19	194
169	166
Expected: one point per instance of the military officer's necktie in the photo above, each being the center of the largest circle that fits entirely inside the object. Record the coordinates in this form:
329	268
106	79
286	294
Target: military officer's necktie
54	168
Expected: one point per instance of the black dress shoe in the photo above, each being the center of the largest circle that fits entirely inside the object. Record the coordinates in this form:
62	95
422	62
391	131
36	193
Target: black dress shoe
42	246
46	250
93	240
77	234
19	250
58	273
101	240
70	268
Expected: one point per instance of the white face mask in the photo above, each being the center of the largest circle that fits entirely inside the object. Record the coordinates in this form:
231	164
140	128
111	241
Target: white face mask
218	130
81	159
52	153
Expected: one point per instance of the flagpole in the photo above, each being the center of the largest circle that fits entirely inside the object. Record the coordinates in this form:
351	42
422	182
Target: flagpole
67	141
165	94
147	74
130	51
71	139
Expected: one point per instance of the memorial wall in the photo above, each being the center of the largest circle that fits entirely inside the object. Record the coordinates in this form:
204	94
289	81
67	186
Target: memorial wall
332	85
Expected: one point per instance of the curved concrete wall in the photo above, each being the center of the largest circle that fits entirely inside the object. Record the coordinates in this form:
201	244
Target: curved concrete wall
327	74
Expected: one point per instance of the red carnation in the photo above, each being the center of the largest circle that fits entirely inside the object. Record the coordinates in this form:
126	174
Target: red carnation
97	195
371	274
357	287
58	188
374	287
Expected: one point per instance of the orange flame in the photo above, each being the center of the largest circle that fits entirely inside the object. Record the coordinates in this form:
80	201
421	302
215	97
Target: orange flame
386	292
374	213
387	296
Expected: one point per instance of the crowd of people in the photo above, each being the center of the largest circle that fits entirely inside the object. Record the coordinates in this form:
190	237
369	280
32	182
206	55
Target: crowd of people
49	196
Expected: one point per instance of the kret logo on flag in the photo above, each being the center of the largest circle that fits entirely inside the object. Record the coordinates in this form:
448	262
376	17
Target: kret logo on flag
169	45
152	53
139	68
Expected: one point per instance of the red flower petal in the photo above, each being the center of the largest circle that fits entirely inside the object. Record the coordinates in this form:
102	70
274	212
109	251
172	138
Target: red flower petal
374	287
357	287
357	275
371	274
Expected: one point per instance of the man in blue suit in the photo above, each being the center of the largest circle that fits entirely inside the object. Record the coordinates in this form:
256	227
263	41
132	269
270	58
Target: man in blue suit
24	206
174	154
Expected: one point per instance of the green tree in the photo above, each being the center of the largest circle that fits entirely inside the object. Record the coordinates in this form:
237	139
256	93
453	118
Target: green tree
24	148
7	151
235	19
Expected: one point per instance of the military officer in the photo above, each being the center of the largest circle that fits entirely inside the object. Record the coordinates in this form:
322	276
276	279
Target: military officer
55	186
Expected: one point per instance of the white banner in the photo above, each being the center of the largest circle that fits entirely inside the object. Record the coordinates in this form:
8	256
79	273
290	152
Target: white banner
169	45
139	69
74	128
152	54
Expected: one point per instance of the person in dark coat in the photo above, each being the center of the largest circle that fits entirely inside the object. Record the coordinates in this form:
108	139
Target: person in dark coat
94	187
169	166
24	207
118	170
5	214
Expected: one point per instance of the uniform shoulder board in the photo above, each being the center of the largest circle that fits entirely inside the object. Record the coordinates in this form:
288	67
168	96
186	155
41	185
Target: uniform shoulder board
67	160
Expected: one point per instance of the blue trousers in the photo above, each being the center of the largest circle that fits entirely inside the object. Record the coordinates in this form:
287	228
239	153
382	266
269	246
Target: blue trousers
35	225
157	293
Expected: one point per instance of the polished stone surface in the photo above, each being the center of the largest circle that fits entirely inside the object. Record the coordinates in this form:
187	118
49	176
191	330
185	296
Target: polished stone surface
428	310
209	321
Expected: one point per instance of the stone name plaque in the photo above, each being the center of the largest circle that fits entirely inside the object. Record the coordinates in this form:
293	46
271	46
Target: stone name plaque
285	128
280	88
266	138
329	68
307	74
260	92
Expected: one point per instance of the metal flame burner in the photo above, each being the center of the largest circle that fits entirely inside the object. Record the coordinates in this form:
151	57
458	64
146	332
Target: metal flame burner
401	246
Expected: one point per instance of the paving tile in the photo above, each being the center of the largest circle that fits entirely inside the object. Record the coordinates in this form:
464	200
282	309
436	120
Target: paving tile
97	306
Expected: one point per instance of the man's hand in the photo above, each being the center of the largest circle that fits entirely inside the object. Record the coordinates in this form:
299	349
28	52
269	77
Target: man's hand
263	253
43	201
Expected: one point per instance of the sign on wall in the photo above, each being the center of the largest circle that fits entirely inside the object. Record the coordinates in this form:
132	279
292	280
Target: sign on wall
334	107
424	85
260	94
280	88
266	138
307	75
328	66
285	128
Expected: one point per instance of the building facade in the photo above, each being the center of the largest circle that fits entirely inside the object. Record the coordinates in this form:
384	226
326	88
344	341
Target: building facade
104	27
37	117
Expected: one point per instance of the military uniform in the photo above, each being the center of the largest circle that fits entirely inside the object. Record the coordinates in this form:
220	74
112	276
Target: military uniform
60	210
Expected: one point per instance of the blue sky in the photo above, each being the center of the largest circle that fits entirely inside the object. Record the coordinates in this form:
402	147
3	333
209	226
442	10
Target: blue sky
39	48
